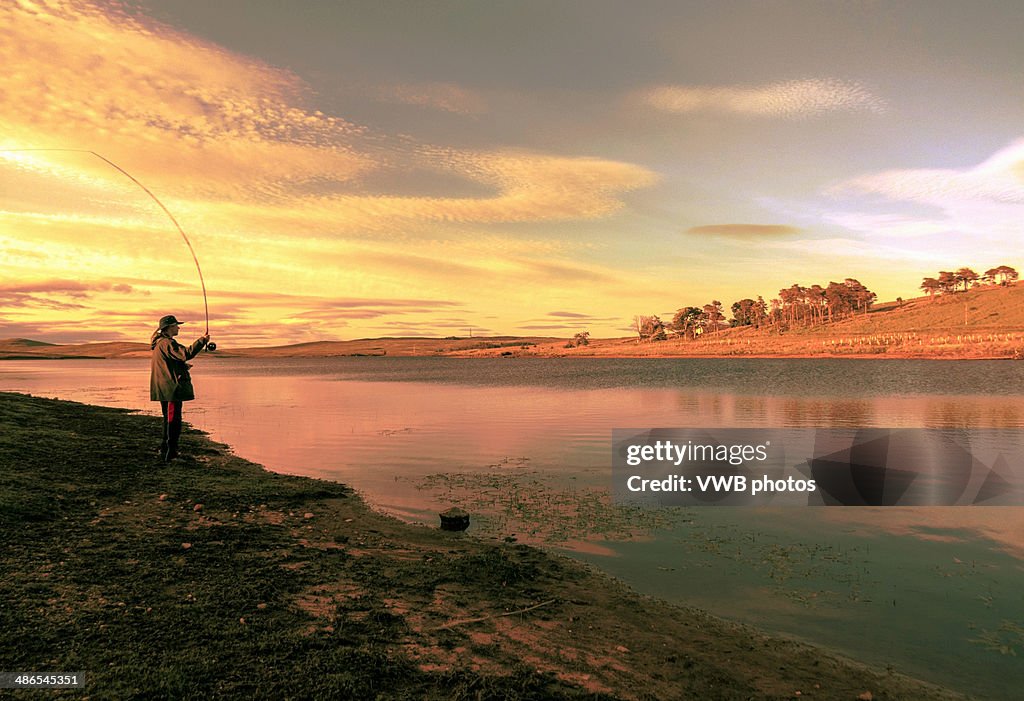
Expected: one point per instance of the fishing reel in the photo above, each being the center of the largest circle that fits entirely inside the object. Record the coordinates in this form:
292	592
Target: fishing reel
211	347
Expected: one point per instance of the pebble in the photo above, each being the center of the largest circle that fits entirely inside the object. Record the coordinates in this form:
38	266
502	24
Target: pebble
308	514
186	546
162	497
197	507
866	696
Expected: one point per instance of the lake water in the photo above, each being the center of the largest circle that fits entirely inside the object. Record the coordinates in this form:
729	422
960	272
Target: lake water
524	444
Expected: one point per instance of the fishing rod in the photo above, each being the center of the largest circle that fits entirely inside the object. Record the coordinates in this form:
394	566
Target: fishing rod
210	346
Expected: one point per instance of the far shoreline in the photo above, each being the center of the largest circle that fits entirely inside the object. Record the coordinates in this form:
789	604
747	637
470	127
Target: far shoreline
979	324
471	355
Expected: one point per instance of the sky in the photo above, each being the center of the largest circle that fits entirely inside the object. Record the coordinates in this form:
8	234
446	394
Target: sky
380	168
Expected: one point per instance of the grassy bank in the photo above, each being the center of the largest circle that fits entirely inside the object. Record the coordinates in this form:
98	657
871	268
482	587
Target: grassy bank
212	578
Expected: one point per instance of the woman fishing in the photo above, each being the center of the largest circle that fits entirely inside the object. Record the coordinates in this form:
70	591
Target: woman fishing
169	381
170	384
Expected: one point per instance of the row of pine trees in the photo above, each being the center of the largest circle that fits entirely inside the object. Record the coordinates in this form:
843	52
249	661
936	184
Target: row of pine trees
948	282
799	307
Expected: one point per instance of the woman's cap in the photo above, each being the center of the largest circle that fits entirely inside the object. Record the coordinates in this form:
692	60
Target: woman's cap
169	320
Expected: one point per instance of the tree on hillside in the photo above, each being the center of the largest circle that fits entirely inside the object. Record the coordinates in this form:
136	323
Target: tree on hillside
793	303
713	316
837	301
638	324
816	303
775	315
686	322
581	339
649	328
966	277
655	329
844	298
948	282
931	286
1003	275
863	298
747	312
761	310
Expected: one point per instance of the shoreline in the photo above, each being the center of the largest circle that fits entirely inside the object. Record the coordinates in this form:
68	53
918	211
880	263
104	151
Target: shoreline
736	356
553	355
338	598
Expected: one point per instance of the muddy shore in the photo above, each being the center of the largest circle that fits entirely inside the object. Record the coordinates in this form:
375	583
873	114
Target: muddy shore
213	578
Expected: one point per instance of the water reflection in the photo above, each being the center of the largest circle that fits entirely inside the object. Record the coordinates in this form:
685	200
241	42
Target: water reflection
751	410
838	413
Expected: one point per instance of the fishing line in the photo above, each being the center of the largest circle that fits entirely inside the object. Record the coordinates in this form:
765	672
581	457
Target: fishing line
206	307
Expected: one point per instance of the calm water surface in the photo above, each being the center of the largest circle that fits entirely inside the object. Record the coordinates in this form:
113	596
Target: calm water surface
935	592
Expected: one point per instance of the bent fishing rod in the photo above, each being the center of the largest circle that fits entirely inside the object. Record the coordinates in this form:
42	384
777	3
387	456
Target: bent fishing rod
210	346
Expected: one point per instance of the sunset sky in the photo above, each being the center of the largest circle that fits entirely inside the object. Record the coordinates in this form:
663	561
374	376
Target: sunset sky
363	169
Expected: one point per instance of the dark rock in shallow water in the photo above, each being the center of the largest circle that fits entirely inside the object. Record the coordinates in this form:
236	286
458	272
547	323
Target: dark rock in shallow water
454	519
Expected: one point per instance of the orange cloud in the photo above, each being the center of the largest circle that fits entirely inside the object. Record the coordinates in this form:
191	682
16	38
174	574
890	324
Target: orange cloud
224	130
744	230
272	192
792	98
170	107
45	293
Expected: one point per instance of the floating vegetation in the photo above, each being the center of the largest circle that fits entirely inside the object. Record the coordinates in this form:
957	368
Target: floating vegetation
1006	639
539	510
511	462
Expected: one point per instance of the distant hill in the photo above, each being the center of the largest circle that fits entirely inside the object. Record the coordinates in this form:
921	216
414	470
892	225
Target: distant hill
23	348
994	308
16	349
391	346
985	322
22	343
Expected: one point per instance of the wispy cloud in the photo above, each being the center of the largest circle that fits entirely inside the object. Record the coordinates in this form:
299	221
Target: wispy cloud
229	133
62	331
569	315
792	98
54	293
146	94
998	179
980	206
894	225
549	327
753	231
333	309
564	320
73	288
446	97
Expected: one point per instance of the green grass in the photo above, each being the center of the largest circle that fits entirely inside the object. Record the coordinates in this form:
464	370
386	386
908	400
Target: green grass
96	578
